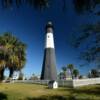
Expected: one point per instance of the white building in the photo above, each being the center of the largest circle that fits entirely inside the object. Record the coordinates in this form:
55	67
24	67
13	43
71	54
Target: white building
53	84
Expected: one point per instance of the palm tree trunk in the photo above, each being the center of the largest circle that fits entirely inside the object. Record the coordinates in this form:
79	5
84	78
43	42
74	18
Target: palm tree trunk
11	72
2	74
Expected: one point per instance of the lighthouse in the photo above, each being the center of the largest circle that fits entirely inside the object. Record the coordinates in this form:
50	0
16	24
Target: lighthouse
49	71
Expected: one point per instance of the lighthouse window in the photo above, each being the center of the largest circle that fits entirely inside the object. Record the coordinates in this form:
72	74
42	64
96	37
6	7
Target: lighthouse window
48	36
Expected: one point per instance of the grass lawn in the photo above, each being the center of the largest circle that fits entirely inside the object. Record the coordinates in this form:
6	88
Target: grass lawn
21	91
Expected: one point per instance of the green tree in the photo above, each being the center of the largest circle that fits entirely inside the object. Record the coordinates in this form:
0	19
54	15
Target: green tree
64	69
2	58
75	73
13	53
94	73
2	67
71	68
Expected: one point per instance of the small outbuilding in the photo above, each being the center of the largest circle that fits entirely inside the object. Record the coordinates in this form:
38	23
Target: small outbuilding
53	84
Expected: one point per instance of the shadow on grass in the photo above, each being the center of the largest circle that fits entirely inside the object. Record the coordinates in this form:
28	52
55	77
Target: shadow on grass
80	93
3	96
91	90
86	90
55	97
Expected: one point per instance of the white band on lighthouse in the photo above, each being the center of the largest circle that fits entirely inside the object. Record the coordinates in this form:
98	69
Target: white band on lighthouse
49	40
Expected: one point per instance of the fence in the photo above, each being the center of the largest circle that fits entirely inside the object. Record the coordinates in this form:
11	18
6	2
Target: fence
68	83
83	82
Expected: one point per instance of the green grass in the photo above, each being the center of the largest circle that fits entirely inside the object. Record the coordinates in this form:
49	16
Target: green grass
21	91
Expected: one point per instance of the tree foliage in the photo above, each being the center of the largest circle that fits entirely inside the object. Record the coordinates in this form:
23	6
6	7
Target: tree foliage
63	73
94	73
75	73
34	3
82	6
71	68
90	33
90	36
12	53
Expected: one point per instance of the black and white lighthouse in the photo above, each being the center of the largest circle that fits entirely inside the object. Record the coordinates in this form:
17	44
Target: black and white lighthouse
49	71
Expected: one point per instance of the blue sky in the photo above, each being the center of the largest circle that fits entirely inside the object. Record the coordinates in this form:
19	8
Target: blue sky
28	24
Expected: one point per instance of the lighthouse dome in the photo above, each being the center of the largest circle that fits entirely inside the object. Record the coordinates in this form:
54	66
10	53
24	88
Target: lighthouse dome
49	25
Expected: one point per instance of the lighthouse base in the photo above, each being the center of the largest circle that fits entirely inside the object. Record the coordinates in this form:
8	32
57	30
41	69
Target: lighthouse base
49	71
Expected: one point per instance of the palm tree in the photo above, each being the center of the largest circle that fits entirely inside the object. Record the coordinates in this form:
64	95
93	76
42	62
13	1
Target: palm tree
18	57
13	52
94	73
9	41
2	67
71	68
12	63
64	69
21	54
75	73
60	75
2	58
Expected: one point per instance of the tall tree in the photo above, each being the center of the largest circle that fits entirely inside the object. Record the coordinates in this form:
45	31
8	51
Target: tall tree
13	52
2	58
75	73
2	67
94	73
71	68
64	69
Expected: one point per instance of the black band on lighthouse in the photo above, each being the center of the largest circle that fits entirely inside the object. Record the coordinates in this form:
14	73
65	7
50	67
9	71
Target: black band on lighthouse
49	65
